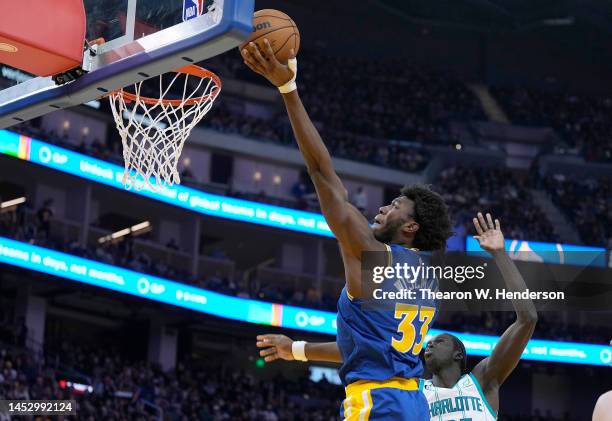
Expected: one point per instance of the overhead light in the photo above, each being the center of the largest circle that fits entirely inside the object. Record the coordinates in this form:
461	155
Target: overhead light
567	21
93	104
120	234
13	202
137	229
104	239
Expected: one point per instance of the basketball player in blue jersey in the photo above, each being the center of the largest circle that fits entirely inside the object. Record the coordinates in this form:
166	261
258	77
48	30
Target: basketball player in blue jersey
453	394
379	348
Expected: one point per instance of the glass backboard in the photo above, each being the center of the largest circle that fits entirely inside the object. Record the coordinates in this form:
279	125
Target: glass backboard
141	39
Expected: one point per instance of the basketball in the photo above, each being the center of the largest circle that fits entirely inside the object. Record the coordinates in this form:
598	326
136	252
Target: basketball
279	29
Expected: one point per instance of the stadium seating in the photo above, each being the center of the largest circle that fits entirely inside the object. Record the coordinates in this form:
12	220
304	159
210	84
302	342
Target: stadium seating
468	190
586	202
582	121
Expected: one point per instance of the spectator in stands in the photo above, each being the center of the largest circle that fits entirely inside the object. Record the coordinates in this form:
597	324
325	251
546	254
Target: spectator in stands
194	390
187	175
585	201
218	253
467	189
44	215
299	192
21	332
171	244
581	121
121	387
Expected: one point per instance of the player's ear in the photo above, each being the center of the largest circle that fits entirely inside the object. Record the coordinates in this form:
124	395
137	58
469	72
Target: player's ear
410	227
458	356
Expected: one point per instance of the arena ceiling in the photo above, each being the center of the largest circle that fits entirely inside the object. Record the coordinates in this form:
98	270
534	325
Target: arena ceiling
502	15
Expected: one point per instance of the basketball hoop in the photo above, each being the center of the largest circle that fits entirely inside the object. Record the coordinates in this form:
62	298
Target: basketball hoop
153	130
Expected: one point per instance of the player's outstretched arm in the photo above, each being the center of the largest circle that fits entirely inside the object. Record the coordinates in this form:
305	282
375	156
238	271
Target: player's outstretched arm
279	347
347	223
492	371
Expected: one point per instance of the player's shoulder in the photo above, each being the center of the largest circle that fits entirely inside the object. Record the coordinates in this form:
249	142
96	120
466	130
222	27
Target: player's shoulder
469	380
465	381
606	397
399	250
603	408
399	247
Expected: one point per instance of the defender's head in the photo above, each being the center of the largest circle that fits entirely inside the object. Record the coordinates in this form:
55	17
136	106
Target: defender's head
418	216
444	351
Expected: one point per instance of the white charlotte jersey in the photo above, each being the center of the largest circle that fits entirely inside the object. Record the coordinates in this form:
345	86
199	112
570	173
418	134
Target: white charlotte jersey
463	402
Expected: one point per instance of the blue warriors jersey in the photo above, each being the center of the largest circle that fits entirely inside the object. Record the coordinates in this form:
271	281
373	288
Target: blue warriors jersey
378	345
389	400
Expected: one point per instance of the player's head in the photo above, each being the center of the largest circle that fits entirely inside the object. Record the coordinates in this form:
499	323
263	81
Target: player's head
419	215
443	351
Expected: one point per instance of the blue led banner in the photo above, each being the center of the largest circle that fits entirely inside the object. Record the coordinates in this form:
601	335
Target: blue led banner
163	290
534	251
125	281
83	166
99	171
538	349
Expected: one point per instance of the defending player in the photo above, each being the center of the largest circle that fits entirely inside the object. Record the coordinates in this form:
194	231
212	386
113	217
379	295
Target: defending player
453	394
379	350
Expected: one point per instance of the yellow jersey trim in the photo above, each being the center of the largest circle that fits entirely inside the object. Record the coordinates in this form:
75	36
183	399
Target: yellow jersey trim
389	256
358	407
395	382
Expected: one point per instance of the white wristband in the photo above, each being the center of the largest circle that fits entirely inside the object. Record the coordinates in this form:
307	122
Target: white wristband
291	85
298	349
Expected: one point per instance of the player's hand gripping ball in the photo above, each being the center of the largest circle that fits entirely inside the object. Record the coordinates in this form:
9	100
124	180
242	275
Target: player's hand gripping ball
279	29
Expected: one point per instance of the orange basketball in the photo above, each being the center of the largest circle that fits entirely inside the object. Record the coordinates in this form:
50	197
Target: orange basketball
279	29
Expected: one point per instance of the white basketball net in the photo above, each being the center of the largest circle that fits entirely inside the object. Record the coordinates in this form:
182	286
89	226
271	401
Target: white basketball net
153	134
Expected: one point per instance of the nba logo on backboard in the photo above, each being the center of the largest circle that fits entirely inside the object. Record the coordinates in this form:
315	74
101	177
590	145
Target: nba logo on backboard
192	9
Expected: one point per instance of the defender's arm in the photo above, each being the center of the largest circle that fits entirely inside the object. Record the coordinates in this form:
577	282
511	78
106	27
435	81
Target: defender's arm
494	370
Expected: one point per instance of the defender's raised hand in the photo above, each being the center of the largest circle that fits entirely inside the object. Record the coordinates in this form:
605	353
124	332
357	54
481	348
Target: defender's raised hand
264	62
276	347
489	235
